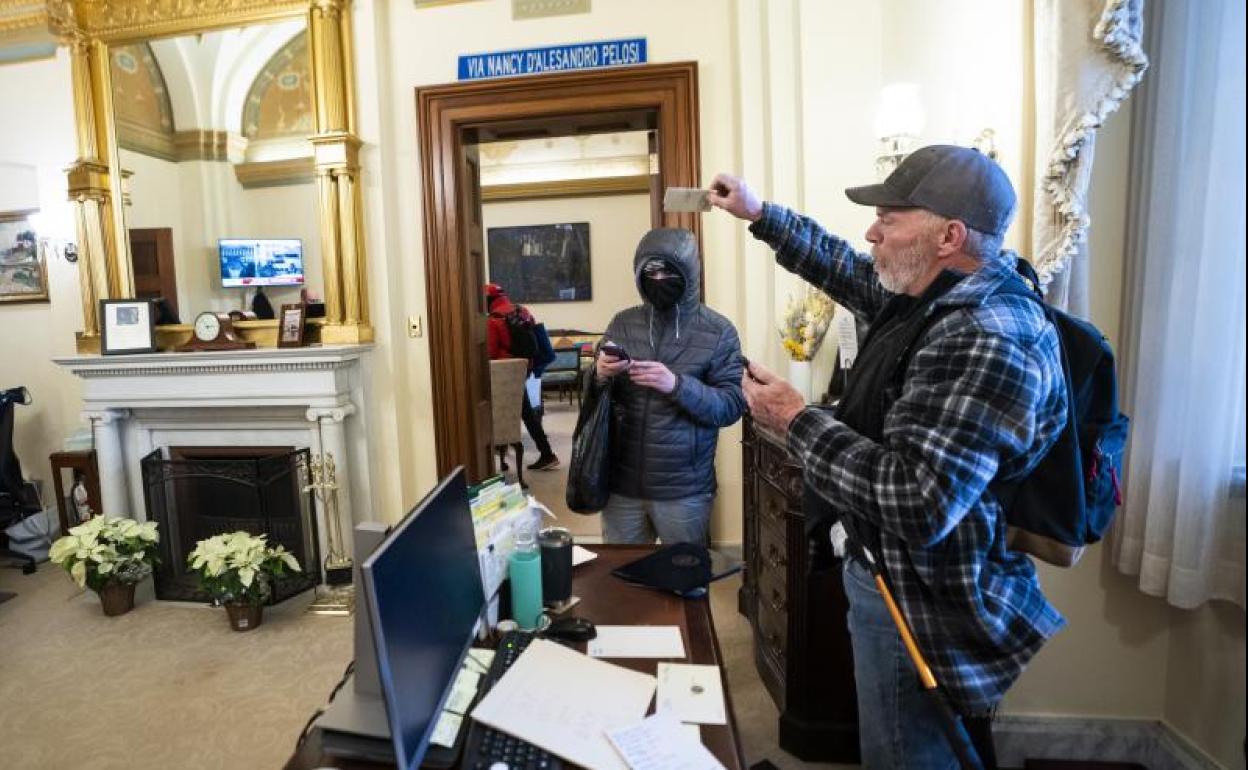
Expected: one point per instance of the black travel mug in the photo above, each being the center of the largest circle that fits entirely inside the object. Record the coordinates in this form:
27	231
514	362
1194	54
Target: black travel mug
556	545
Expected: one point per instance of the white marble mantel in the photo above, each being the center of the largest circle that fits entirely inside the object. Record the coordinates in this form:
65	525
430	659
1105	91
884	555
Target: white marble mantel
302	397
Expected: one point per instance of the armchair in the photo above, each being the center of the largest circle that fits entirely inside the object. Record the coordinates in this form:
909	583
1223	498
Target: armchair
564	374
507	376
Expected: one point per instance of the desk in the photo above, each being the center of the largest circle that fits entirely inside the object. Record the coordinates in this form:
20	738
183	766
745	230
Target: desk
608	600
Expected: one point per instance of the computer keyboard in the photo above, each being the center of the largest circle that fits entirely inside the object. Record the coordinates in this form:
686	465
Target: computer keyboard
488	749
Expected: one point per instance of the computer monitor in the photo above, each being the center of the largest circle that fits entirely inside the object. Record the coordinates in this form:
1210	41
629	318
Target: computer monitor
423	590
260	262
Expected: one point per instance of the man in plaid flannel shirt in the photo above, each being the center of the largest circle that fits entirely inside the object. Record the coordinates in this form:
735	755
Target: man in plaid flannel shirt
909	462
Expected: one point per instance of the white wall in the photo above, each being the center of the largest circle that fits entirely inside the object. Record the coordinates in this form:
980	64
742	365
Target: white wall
30	334
616	224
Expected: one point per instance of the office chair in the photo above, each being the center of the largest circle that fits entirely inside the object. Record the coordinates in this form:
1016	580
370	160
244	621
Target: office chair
17	498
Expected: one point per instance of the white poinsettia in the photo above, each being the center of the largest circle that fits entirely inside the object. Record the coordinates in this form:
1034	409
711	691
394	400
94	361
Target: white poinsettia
239	566
105	549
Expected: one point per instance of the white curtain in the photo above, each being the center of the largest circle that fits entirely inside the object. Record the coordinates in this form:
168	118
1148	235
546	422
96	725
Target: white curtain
1088	57
1182	526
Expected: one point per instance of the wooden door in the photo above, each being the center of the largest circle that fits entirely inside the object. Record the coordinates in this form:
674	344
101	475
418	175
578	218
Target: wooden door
151	256
449	117
478	359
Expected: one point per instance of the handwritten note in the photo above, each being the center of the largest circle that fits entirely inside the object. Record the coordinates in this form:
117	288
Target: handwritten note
660	742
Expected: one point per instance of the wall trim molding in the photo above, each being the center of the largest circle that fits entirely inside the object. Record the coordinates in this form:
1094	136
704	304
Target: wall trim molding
567	188
1149	742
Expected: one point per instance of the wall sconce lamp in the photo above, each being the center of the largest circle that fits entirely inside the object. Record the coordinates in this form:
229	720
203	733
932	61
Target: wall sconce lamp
897	124
48	244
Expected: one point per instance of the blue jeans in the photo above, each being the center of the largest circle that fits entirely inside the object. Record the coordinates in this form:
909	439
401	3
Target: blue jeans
898	726
633	521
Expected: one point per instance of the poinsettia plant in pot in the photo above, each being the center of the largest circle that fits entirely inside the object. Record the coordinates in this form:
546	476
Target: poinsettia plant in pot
237	569
109	555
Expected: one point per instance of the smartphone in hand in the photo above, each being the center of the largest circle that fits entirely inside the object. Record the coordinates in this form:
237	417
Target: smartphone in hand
612	349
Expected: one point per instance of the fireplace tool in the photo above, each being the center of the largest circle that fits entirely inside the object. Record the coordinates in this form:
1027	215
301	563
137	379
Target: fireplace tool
337	595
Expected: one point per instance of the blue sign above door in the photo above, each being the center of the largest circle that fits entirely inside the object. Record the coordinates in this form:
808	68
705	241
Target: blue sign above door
555	58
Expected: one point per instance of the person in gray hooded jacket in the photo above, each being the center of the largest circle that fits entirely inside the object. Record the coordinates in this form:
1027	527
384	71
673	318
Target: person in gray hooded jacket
680	384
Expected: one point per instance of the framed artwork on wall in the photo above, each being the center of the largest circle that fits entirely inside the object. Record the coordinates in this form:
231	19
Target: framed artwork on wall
127	326
541	263
290	325
23	273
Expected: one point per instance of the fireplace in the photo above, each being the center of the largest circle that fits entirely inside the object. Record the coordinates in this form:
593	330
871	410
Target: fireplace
195	492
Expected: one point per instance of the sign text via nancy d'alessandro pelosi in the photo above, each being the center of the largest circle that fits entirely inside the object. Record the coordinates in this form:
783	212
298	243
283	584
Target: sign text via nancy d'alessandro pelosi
555	58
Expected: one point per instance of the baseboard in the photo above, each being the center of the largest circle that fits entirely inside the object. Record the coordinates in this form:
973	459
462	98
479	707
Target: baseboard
1151	743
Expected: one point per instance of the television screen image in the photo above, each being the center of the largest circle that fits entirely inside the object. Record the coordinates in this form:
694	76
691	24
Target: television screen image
261	262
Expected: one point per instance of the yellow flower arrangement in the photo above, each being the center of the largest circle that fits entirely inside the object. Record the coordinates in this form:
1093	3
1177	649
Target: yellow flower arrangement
805	323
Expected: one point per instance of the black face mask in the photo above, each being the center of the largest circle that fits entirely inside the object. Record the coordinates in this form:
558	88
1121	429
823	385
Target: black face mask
663	293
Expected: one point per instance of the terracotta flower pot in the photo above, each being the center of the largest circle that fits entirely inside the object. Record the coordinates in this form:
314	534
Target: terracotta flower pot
244	617
116	598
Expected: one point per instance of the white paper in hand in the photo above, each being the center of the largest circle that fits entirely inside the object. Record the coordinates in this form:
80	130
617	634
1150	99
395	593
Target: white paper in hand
676	199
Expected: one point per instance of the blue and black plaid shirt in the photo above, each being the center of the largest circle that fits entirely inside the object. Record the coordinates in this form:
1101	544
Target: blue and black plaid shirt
982	397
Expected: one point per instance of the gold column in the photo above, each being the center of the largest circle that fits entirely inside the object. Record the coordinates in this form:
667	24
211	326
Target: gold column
101	274
338	174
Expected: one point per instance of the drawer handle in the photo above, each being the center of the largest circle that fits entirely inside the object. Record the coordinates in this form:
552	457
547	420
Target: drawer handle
775	559
778	604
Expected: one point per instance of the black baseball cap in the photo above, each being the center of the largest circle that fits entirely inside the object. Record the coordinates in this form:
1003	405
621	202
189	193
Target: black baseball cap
954	182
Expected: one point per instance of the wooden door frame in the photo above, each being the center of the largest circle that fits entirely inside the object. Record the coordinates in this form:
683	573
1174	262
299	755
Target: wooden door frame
445	114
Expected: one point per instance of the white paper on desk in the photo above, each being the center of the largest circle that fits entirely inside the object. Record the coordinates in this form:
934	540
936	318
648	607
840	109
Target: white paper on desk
637	642
565	702
660	742
693	693
581	555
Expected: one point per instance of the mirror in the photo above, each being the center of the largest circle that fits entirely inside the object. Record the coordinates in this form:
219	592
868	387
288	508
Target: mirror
218	175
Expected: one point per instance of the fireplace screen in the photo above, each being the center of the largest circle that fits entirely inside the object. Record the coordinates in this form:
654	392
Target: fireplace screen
197	492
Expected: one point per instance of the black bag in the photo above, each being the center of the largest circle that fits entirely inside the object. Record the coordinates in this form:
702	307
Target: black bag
1068	500
1070	497
589	475
520	328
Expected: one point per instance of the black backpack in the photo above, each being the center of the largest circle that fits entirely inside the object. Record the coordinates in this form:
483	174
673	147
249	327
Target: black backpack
1068	500
523	335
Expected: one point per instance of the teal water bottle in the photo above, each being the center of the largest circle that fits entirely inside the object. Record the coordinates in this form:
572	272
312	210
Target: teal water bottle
524	568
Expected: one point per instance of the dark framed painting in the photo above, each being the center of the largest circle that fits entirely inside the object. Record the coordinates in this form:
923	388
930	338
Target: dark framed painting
541	263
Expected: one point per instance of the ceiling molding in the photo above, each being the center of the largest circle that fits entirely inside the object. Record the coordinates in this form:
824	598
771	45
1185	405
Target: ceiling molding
275	173
566	188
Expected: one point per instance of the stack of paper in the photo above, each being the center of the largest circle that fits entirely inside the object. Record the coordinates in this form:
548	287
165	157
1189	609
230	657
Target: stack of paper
566	703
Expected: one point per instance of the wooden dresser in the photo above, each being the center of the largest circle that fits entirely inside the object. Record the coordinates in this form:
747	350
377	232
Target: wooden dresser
792	595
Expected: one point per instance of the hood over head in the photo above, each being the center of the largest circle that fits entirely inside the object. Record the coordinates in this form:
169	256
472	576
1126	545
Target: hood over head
677	247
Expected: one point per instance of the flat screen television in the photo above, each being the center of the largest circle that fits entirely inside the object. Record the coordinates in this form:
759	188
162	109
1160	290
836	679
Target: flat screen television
261	262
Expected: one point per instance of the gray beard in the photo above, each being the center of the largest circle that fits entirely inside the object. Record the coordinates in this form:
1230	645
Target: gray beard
903	271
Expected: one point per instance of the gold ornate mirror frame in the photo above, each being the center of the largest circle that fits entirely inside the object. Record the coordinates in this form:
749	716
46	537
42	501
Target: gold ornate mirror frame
89	27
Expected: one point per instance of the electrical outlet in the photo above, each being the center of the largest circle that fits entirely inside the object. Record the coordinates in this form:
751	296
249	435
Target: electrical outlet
414	327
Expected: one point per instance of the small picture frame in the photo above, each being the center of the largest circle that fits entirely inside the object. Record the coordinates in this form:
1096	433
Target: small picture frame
127	326
23	270
290	325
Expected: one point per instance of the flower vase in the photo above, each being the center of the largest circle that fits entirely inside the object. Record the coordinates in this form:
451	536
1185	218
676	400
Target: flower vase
116	598
244	617
799	377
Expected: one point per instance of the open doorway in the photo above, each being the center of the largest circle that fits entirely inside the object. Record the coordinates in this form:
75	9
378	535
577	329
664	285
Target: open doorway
561	216
455	120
